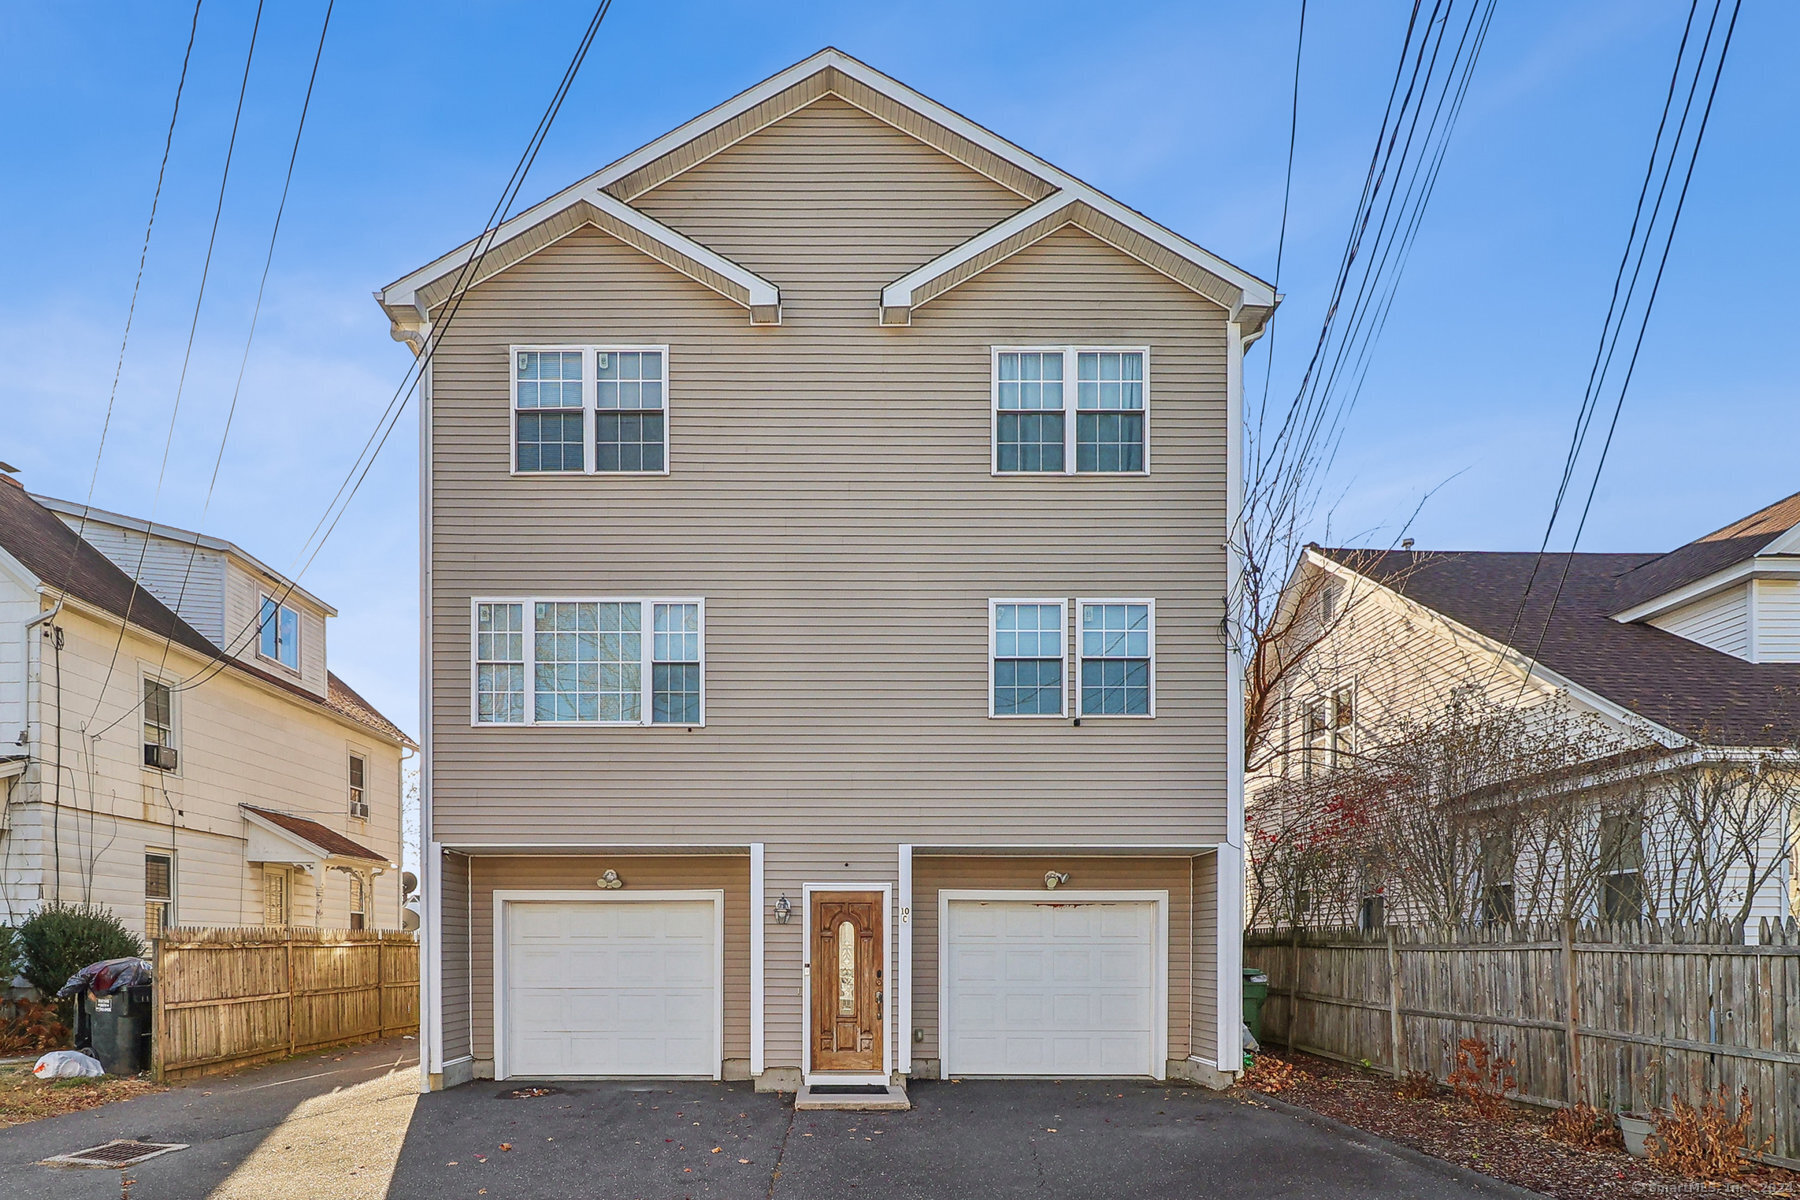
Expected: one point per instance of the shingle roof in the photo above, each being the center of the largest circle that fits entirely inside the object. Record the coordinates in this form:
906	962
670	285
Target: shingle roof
328	840
65	563
1737	542
1696	691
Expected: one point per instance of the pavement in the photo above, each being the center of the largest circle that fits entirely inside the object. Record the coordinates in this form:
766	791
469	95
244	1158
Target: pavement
349	1124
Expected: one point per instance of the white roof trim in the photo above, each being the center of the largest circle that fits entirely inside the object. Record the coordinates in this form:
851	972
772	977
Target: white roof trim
1515	659
1700	589
171	533
592	191
1069	189
260	848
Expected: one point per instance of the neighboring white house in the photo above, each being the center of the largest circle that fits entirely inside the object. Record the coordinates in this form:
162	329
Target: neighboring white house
177	749
1674	680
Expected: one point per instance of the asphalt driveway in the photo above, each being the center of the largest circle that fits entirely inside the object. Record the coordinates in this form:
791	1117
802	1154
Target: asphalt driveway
350	1124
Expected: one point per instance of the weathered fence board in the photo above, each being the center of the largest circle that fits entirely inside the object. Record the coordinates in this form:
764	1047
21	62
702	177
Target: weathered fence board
1624	1018
226	998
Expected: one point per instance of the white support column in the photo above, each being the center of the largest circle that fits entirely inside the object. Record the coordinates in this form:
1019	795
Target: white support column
903	983
1229	1053
758	929
1229	858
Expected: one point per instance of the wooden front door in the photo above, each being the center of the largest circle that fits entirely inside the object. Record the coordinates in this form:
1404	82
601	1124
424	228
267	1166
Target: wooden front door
848	992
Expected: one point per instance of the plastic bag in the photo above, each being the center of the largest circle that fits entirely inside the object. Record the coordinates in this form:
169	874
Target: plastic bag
68	1064
105	978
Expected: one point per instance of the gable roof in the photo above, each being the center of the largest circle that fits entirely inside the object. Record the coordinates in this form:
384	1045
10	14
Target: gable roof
1056	200
328	842
63	563
1757	534
1701	693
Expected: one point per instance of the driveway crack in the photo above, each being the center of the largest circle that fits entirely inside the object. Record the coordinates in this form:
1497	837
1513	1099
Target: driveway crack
781	1152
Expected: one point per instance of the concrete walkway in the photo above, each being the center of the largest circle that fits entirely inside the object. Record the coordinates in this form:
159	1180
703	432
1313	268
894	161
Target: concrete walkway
349	1125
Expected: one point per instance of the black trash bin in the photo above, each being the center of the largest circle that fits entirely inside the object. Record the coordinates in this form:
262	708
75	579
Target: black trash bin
118	1028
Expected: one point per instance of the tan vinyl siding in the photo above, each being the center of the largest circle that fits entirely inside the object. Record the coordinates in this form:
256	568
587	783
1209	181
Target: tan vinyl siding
640	873
1203	1003
958	872
457	951
830	497
1721	621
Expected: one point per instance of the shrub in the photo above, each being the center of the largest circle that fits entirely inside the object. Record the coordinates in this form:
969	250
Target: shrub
30	1028
1583	1125
59	939
1416	1085
1483	1078
1704	1142
9	954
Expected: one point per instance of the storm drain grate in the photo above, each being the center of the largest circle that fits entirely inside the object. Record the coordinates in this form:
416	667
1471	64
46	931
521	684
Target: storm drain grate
120	1152
528	1093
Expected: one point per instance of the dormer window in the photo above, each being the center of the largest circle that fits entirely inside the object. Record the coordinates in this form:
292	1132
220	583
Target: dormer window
278	638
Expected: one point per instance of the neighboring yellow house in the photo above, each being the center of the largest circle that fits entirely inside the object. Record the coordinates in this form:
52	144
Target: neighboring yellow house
197	769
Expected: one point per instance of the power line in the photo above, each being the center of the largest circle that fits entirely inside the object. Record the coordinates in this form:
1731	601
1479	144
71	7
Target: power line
181	383
1287	192
390	416
1655	287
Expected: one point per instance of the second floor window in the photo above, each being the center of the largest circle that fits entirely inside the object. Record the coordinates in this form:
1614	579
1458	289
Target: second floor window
359	800
1043	425
278	634
1028	647
608	662
159	725
590	409
1118	649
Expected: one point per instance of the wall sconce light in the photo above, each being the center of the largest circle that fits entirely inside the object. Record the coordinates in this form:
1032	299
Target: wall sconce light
609	879
1055	879
783	910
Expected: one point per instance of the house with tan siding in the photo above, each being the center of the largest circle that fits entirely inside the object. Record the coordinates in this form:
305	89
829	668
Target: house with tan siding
1666	688
173	745
824	556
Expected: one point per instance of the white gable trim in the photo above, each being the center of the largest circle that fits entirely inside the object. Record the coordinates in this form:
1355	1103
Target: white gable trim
1513	660
1718	581
402	294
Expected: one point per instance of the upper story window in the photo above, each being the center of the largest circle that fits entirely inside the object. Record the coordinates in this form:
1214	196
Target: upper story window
1028	647
1043	426
1118	658
359	800
590	409
159	725
278	634
608	662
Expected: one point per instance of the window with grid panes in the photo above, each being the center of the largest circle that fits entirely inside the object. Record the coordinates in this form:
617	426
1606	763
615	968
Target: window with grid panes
1109	411
1116	655
1028	423
1037	430
499	663
675	664
549	410
1027	658
629	429
614	662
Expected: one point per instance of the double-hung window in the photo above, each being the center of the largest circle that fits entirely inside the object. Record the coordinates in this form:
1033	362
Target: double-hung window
589	410
159	725
359	796
589	662
159	894
1027	651
1071	410
1118	658
278	633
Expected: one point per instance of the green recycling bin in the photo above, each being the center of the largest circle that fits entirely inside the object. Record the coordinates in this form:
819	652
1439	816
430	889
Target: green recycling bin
1256	990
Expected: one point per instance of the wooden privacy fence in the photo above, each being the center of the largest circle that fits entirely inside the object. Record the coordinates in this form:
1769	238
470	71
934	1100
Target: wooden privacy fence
1625	1018
226	998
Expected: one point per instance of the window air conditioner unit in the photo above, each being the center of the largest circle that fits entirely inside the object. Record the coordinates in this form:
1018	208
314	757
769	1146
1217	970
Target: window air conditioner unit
360	810
163	758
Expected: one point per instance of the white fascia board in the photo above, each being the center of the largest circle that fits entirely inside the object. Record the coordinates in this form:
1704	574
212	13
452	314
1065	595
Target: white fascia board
899	293
1759	567
184	537
1255	291
403	293
24	576
1514	659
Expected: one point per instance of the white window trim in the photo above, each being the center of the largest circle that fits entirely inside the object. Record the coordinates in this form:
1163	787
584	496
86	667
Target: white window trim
502	898
174	883
1062	605
279	604
589	393
1075	682
350	752
173	683
529	633
1069	380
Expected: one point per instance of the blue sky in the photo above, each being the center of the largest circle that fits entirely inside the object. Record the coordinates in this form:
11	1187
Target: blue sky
1180	110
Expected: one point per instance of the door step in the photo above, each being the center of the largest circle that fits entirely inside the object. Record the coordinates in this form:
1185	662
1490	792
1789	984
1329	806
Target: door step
844	1097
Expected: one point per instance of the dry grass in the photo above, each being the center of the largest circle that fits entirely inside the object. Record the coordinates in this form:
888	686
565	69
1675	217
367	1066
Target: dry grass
25	1097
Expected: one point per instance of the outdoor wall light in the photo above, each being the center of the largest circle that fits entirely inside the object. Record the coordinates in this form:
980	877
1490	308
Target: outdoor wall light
783	910
1055	879
609	879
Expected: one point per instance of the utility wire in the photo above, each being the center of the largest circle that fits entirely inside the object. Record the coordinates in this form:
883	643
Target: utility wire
1287	192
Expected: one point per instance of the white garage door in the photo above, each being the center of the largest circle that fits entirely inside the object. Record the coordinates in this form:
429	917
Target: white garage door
611	987
1047	988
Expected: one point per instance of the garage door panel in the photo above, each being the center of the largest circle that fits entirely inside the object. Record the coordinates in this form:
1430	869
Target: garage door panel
1074	994
605	988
